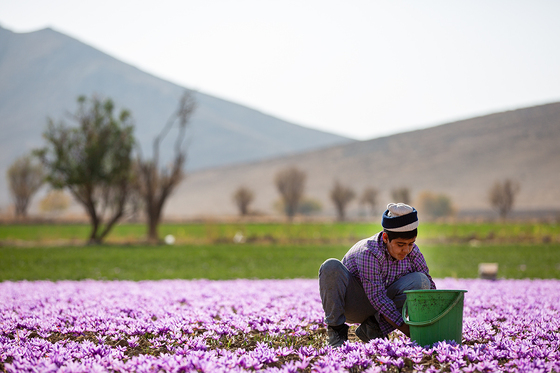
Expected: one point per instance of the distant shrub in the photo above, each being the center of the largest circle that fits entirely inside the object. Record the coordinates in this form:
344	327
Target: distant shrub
55	202
435	205
308	206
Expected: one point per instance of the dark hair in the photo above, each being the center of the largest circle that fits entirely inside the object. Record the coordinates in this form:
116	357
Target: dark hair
405	235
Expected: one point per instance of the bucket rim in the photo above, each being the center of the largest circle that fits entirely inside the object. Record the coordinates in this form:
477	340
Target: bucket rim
435	291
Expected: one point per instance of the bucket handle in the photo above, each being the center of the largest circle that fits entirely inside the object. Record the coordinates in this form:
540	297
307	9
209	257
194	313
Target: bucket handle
435	319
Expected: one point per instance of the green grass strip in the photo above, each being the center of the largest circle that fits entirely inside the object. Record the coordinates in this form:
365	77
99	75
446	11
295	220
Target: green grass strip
199	233
229	261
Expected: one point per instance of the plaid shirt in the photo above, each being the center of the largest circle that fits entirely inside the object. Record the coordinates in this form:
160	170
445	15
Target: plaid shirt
371	263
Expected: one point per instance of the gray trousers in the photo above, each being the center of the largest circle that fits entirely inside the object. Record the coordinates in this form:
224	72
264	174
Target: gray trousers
344	298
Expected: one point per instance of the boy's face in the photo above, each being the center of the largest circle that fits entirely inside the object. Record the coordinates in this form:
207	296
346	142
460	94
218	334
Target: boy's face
399	248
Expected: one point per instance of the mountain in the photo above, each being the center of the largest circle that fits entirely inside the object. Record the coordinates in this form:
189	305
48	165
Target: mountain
43	72
461	160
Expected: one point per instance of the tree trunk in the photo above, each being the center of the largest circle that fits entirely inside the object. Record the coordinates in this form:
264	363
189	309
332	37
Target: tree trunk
341	214
93	239
21	209
94	219
153	236
154	214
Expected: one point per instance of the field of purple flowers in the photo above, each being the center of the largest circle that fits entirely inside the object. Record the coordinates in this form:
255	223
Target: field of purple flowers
258	326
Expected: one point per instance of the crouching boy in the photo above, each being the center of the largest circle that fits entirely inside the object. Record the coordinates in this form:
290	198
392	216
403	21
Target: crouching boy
367	286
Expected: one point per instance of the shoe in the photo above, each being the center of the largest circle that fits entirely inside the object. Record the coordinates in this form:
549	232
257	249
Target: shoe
337	336
369	330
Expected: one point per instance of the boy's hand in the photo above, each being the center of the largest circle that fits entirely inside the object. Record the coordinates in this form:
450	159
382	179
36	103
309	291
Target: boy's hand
403	328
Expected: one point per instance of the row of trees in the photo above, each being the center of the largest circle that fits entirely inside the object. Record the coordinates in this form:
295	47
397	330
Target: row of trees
290	183
102	165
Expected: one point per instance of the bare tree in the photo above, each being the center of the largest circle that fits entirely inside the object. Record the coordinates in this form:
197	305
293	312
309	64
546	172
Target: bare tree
341	195
93	161
156	184
291	184
243	197
401	195
369	198
502	196
25	177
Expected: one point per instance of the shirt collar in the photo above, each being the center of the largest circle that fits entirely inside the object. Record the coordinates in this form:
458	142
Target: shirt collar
381	247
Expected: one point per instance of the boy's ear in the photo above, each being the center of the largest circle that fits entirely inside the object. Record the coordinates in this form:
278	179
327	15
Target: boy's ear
385	237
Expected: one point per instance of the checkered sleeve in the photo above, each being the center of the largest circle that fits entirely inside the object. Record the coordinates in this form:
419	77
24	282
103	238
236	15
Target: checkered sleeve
370	271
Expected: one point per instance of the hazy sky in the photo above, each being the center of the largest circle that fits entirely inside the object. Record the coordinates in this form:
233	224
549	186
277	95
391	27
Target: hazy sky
357	68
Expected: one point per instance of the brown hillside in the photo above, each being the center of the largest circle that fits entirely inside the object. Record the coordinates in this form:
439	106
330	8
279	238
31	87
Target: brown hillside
460	159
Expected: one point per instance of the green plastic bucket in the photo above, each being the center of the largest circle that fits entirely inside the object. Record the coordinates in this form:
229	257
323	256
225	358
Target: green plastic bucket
434	315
